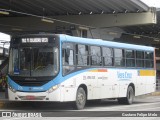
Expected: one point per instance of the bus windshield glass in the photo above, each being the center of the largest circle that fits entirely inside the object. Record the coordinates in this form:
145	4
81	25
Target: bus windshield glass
33	61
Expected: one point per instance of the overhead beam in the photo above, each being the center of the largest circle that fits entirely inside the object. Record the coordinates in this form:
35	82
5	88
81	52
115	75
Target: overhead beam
95	21
111	20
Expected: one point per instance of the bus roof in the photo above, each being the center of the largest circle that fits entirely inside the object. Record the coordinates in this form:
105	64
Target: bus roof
101	42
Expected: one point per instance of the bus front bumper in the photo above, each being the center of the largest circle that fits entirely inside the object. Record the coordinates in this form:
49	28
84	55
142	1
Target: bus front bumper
34	96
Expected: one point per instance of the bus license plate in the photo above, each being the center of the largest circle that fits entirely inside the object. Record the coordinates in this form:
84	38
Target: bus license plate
29	97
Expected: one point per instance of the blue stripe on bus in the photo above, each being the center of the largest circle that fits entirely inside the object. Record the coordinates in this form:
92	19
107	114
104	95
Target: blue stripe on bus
59	79
100	42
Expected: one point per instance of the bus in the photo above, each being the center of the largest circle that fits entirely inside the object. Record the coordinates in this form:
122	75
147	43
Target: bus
63	68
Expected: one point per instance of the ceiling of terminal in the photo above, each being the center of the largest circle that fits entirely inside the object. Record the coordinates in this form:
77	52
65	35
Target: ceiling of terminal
19	8
72	7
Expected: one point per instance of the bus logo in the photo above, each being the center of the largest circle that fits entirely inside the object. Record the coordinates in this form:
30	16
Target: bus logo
124	75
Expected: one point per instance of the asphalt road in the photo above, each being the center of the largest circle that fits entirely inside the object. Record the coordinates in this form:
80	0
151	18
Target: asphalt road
147	107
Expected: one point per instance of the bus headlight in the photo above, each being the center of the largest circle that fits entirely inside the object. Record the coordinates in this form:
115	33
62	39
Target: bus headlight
11	88
53	88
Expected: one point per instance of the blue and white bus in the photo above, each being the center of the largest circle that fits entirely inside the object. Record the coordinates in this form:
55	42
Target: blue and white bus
62	68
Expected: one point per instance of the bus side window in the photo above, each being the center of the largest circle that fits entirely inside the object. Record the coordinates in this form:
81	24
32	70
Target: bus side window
149	60
139	59
82	58
68	58
95	53
107	56
130	58
119	60
64	57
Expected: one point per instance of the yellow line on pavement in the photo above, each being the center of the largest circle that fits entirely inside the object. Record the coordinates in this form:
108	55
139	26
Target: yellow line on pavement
155	93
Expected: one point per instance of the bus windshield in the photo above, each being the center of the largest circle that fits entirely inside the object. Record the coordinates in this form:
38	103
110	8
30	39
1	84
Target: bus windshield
33	61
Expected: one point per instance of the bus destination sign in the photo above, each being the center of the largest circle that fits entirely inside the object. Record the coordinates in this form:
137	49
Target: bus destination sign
34	40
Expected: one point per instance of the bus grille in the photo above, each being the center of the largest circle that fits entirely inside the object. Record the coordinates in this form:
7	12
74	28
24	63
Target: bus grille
31	83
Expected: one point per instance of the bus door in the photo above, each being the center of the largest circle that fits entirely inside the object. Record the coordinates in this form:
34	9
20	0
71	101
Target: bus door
94	86
106	87
141	84
115	89
114	83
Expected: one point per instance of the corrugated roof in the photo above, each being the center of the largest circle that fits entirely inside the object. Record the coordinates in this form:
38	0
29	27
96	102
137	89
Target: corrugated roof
73	7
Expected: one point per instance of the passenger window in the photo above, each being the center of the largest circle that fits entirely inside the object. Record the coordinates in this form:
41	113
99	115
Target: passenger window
139	55
139	59
119	58
149	55
130	58
82	56
68	57
149	60
107	56
95	53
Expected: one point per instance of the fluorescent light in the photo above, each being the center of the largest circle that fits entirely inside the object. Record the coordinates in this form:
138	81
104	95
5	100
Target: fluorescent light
83	28
136	36
102	12
4	12
112	33
80	13
17	29
47	20
156	40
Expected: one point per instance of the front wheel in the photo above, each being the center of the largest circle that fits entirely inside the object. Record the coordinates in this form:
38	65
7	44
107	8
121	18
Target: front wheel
80	99
129	98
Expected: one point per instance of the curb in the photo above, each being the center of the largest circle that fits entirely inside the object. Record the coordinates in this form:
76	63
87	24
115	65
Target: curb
157	93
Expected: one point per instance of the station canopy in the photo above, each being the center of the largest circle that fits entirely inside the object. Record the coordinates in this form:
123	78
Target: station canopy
23	15
72	7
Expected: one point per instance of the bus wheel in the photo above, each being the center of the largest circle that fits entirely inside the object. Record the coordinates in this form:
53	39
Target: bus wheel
80	99
129	98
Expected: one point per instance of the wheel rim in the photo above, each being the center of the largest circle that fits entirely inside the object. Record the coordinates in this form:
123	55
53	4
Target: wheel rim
80	98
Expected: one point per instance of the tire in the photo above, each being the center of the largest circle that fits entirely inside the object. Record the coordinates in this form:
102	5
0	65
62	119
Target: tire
129	98
80	99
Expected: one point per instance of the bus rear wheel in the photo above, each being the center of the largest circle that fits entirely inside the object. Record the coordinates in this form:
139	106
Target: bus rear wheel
80	99
129	98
